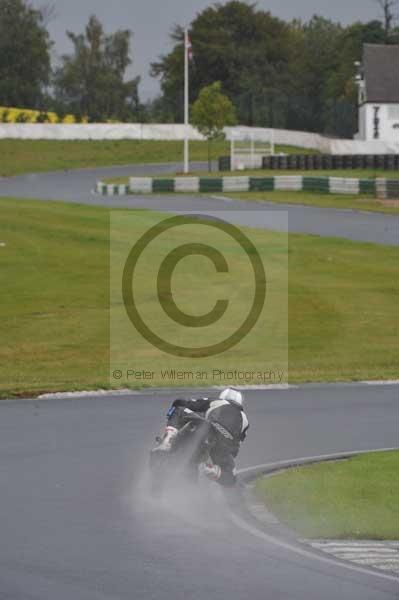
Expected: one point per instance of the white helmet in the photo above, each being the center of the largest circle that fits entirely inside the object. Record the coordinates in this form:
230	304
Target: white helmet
233	396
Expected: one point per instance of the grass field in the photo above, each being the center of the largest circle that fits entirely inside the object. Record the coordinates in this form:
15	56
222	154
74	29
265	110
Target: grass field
351	499
339	201
197	286
342	300
34	156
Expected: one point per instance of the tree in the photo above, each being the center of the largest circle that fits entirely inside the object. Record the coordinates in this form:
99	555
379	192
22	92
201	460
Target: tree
49	13
211	113
24	55
296	75
387	7
340	115
317	58
324	94
90	82
246	49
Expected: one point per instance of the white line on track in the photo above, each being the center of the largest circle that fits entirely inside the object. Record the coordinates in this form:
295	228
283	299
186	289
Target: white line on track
271	539
264	387
300	550
381	382
84	394
126	391
380	555
223	198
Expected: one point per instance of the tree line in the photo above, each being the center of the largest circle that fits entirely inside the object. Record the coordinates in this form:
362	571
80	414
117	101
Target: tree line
89	83
294	75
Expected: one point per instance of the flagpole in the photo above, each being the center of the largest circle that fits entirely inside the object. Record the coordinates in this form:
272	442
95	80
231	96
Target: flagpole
186	102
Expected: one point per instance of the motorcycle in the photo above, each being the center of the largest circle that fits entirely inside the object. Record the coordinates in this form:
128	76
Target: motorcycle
190	448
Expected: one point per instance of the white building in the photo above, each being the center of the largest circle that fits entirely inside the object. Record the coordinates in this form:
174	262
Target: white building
378	82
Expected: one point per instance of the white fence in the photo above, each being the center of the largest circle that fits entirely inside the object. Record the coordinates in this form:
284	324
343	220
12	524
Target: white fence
94	131
154	131
302	139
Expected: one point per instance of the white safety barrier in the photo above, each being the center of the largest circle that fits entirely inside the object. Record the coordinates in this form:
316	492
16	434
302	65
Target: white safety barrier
140	185
289	182
96	131
187	184
340	185
112	189
381	188
235	184
210	185
359	147
171	131
302	139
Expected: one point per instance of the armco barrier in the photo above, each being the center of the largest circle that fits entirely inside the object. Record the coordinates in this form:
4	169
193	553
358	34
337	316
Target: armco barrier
209	185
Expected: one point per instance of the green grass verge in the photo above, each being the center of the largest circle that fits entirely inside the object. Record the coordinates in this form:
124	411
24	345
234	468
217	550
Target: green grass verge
339	201
351	499
343	299
34	156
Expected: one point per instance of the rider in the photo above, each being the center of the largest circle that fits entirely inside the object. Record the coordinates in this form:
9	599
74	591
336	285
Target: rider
227	413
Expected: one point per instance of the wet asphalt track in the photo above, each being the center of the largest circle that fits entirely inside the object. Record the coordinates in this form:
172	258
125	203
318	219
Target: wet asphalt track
76	520
75	517
77	186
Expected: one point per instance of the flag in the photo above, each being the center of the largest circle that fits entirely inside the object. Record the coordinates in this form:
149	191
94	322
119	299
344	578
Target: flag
189	49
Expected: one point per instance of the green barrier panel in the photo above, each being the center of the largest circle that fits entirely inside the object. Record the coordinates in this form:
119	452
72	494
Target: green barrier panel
115	190
367	186
316	184
163	185
104	189
261	184
211	184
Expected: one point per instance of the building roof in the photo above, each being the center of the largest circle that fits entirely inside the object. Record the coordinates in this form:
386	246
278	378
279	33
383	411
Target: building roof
381	72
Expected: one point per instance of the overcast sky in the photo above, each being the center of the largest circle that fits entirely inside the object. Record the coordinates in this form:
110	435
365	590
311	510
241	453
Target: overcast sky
152	20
